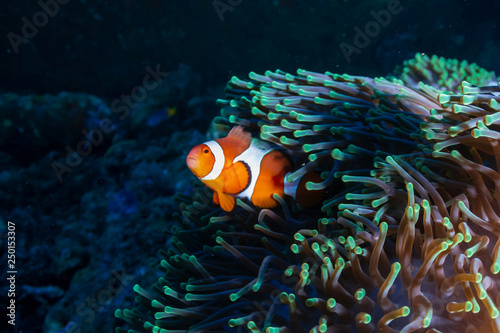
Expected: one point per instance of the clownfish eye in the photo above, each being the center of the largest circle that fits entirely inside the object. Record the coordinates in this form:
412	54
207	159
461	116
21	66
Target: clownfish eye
206	151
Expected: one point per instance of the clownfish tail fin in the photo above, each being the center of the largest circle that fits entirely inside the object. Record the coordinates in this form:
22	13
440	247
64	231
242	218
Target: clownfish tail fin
298	190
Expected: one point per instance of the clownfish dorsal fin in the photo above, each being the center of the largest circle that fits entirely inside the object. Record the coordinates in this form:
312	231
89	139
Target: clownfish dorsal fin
239	134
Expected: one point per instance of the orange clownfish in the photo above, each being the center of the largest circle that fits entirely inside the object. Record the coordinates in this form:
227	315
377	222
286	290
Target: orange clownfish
234	167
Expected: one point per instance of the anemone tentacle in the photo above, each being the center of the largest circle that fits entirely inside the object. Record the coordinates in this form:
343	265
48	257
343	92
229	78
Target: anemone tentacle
407	238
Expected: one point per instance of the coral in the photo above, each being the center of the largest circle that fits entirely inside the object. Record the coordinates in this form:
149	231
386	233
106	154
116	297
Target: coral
407	240
33	125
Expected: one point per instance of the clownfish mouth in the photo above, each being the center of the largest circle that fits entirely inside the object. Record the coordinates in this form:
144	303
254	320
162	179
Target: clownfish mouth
192	163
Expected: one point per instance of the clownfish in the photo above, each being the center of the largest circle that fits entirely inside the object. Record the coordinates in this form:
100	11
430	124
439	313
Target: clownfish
234	167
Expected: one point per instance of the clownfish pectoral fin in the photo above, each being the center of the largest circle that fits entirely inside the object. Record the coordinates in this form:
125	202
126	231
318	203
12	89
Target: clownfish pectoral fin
238	133
264	201
237	178
227	201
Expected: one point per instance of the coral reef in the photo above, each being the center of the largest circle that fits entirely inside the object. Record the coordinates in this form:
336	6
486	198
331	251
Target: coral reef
407	240
33	125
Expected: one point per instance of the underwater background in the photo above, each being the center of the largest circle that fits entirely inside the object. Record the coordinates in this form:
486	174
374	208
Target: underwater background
103	226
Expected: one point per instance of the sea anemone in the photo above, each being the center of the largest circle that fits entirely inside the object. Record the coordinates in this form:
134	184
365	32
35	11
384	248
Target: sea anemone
443	73
406	240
